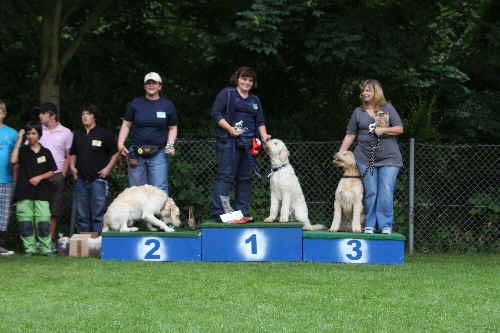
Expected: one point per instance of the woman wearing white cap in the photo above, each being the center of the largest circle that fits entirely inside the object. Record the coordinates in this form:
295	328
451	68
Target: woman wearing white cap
153	120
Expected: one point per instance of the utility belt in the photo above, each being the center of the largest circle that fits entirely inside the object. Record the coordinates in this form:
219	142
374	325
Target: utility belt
146	151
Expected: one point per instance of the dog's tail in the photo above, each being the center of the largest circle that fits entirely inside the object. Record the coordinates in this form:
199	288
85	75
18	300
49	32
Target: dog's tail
310	227
106	223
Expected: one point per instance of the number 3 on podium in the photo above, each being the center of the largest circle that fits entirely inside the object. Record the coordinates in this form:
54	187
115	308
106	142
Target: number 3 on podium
356	253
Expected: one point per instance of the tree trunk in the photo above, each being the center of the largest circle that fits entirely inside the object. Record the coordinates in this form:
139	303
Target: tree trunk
49	90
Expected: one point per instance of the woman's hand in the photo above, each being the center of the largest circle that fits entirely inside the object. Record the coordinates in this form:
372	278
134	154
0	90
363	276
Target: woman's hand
233	131
266	138
379	131
123	151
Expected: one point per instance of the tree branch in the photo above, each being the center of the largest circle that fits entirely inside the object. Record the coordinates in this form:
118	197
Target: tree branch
85	29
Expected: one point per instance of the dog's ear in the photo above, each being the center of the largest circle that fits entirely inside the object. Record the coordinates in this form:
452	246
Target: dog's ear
167	209
284	153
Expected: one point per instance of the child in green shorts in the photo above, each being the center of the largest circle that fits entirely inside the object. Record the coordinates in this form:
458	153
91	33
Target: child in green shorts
32	193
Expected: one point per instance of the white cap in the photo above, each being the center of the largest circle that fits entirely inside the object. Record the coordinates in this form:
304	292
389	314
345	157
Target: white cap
152	76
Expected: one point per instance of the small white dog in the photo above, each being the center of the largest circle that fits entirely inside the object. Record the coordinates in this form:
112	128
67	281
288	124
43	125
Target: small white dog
141	202
285	188
348	214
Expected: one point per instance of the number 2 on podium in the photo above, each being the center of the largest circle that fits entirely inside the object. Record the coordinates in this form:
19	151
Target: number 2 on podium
151	253
253	240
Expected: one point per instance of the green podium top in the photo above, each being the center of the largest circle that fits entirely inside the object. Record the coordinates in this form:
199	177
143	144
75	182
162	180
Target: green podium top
254	224
325	234
179	232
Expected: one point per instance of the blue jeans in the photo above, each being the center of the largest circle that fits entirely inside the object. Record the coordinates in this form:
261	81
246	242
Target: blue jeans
152	171
378	196
91	197
235	169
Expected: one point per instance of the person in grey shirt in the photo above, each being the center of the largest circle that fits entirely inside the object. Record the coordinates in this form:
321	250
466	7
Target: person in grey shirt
377	154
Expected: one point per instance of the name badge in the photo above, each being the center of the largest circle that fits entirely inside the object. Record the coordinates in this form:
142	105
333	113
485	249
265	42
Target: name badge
161	114
255	106
96	143
41	159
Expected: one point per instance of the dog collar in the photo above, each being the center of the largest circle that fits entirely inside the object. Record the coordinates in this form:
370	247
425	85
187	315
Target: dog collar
273	170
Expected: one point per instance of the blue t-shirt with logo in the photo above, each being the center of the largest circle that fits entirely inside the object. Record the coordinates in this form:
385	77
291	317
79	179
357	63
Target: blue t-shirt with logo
150	120
232	107
8	137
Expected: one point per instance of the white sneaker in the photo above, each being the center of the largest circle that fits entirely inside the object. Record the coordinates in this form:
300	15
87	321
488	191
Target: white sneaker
5	252
368	231
387	231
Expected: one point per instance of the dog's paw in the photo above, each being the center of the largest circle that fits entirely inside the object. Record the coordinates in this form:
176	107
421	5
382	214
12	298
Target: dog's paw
283	219
269	219
333	230
133	229
168	229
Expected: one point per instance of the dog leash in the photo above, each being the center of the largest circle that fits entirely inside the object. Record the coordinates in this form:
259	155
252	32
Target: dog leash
372	149
273	170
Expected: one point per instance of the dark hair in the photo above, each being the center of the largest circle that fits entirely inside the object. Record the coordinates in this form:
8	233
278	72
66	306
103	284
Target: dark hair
243	71
49	107
90	108
34	125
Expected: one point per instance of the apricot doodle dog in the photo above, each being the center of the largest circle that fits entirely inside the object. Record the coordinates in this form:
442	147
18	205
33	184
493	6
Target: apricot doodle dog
141	203
348	207
286	193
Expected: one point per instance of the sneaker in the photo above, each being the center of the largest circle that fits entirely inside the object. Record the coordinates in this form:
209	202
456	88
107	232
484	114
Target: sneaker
387	231
368	231
5	252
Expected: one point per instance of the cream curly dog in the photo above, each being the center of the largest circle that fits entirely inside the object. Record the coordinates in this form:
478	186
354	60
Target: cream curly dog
286	192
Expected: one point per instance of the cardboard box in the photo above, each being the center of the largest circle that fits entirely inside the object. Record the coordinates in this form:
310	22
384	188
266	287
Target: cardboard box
79	245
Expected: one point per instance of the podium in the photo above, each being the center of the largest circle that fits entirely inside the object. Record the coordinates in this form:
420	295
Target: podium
347	247
256	241
181	245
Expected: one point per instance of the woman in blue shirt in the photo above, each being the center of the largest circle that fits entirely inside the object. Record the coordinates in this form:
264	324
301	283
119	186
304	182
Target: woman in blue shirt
153	121
239	118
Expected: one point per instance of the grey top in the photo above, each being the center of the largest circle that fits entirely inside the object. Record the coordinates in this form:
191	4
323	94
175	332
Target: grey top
389	155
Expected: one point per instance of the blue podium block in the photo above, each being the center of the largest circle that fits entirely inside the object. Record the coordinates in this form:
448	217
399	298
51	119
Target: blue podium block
255	241
152	246
347	247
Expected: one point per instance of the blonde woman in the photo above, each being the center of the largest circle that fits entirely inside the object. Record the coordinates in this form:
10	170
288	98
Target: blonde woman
377	154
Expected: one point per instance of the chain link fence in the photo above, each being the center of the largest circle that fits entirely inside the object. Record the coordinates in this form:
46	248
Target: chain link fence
457	189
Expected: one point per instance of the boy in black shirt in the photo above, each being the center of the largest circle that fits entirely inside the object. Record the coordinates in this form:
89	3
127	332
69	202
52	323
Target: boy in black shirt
92	157
32	194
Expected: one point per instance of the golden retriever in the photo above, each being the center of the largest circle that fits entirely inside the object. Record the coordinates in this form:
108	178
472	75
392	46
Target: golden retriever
348	207
286	192
141	202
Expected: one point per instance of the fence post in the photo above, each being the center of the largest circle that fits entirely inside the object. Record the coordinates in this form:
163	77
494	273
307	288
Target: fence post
411	197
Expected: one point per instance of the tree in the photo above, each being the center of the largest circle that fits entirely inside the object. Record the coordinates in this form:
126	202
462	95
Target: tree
55	28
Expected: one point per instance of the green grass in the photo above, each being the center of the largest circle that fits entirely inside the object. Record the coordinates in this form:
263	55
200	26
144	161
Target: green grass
435	293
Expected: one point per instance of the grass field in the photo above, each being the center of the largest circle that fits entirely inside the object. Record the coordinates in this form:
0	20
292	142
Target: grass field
435	293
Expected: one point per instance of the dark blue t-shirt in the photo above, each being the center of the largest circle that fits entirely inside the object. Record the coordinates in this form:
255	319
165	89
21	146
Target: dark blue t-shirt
150	120
229	105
